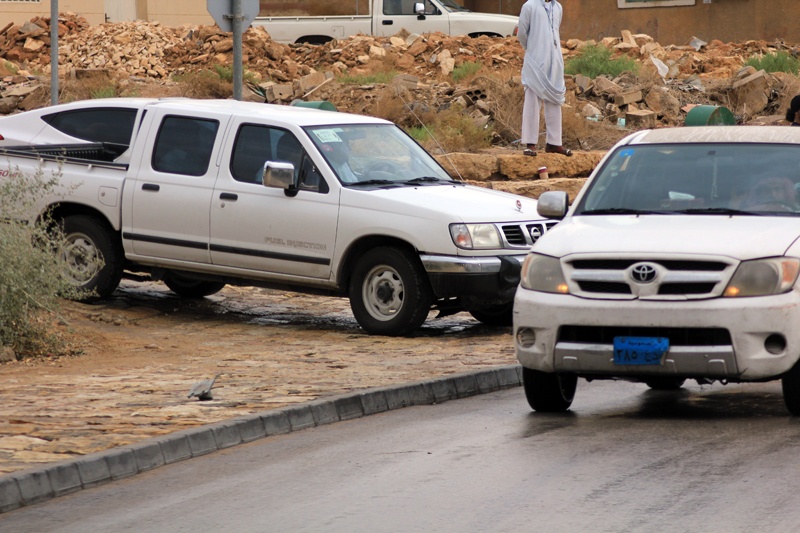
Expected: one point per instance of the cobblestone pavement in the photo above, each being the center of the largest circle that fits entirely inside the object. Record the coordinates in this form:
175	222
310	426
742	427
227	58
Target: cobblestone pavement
145	348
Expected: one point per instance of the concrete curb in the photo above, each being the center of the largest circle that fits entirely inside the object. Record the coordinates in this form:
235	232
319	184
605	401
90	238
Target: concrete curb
35	485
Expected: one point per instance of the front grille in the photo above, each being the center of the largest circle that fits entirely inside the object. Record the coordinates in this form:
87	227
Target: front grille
686	288
622	264
526	233
647	278
676	336
514	235
605	286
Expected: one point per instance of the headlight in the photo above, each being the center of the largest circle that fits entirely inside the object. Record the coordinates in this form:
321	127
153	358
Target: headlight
475	236
543	273
763	277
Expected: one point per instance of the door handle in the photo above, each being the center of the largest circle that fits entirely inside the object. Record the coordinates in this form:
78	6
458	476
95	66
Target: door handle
387	22
228	196
150	187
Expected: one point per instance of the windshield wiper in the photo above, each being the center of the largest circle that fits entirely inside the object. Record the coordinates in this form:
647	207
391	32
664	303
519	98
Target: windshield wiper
428	179
717	211
621	211
374	182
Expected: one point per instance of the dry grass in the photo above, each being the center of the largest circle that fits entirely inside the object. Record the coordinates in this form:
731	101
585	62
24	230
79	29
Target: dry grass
7	68
204	84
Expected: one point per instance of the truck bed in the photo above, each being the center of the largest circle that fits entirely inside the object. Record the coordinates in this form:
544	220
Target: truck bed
83	153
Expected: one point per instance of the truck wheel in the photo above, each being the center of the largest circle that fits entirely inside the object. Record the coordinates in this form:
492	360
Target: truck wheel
790	382
548	392
498	315
389	293
91	256
665	383
191	288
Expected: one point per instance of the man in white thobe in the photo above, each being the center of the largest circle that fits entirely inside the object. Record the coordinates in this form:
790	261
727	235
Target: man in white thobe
542	74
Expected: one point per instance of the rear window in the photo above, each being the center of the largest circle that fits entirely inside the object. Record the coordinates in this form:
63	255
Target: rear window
104	124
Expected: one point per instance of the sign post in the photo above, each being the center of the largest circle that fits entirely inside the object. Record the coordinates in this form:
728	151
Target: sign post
53	52
234	16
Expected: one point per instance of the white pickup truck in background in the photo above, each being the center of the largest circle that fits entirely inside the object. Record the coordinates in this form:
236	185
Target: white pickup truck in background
388	17
216	192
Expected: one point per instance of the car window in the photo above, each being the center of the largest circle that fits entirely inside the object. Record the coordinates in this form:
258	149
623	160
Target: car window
255	145
406	7
711	177
184	145
104	124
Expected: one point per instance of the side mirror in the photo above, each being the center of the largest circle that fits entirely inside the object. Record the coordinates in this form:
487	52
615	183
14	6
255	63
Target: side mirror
553	204
419	9
279	175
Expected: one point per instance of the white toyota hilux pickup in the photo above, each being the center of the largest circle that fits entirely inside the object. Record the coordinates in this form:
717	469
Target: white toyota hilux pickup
225	192
678	260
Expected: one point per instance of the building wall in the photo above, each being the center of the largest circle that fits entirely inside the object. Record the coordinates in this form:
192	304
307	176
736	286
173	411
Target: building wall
178	12
169	13
20	12
724	20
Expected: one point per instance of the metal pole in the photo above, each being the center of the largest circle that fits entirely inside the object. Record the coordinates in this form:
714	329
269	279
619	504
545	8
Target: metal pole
236	8
53	52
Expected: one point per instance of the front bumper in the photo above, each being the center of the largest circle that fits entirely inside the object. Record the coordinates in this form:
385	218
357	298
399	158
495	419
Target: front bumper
721	338
489	280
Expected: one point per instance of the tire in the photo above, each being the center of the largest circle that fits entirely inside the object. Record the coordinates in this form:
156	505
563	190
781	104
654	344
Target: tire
665	383
91	256
790	383
389	292
549	392
497	316
191	288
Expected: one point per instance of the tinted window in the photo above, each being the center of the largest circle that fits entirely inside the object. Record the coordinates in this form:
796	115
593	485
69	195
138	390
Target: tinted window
105	124
255	145
251	150
184	145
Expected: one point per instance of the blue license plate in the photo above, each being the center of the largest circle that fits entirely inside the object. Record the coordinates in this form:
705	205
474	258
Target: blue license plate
639	350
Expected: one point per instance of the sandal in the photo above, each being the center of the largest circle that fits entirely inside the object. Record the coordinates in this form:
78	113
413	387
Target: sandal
529	152
551	148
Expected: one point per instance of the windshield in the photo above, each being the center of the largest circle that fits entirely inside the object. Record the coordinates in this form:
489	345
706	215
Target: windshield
376	154
450	5
714	179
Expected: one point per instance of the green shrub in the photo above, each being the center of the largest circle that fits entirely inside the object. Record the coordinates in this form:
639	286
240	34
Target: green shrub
104	92
367	79
451	130
225	73
465	70
419	134
594	60
780	61
30	272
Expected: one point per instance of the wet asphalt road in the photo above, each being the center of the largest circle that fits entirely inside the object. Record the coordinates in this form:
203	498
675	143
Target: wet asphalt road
704	459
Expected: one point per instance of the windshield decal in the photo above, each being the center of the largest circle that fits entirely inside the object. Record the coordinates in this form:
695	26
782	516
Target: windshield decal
328	135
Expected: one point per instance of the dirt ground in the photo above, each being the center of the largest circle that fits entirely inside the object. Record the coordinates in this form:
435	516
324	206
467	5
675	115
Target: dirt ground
145	348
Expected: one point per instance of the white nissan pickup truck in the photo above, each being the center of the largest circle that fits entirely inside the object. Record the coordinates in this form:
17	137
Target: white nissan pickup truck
388	17
678	260
225	192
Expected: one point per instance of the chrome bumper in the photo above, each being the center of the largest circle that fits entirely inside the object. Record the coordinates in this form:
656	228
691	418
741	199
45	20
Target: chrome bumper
446	264
707	361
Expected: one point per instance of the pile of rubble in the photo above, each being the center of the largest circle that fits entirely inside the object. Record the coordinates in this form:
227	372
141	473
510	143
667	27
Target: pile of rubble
670	79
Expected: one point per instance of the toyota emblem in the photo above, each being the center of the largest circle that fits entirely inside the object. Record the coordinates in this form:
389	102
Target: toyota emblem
643	273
